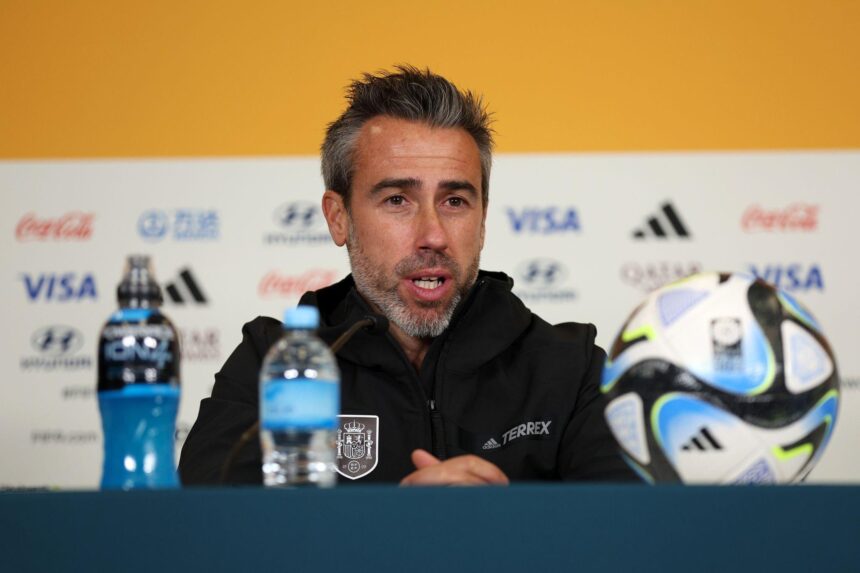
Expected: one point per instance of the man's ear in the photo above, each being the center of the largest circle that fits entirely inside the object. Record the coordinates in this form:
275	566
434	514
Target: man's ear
336	217
483	233
483	228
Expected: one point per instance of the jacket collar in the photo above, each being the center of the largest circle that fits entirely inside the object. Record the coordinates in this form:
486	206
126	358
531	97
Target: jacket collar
486	323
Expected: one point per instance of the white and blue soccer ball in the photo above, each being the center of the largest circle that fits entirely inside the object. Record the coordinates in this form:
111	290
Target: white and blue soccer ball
721	378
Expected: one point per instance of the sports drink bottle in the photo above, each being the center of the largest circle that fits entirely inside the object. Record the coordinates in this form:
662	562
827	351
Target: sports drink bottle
138	385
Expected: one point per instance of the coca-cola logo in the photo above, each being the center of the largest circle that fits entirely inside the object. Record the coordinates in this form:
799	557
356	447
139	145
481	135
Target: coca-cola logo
277	284
802	217
72	226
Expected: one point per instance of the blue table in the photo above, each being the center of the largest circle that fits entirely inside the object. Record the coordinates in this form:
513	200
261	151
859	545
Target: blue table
520	528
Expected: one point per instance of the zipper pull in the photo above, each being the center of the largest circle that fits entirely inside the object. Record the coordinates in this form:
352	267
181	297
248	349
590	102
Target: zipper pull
437	431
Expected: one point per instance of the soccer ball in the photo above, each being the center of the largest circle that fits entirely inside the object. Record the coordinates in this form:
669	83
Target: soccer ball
721	378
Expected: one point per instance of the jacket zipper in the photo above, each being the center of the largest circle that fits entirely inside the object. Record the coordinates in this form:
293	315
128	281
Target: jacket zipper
422	399
432	416
437	427
437	431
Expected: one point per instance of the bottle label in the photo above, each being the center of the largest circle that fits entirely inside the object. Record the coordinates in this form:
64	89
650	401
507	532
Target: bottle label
300	404
137	346
150	345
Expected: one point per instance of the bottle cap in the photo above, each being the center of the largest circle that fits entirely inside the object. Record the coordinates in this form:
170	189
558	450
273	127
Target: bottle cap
138	287
302	317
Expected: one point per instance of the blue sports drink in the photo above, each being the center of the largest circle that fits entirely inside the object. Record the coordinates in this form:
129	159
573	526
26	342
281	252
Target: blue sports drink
138	386
299	405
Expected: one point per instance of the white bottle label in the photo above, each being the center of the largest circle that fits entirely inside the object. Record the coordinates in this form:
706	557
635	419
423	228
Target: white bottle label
299	404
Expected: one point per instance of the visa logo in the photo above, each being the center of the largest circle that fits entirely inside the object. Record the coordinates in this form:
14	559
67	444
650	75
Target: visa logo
60	287
790	277
544	220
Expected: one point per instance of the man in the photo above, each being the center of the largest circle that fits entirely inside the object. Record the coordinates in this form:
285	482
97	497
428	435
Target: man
467	386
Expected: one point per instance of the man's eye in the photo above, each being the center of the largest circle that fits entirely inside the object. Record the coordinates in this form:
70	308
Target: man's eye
455	201
395	200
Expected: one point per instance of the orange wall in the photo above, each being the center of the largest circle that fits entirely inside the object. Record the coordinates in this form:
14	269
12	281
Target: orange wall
113	78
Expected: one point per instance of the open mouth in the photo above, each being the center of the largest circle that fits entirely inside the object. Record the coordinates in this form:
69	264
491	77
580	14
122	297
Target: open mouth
429	283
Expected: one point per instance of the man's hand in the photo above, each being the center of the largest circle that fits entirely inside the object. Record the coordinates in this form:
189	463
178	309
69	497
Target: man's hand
460	470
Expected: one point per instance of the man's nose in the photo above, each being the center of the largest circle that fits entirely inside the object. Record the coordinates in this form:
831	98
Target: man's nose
430	230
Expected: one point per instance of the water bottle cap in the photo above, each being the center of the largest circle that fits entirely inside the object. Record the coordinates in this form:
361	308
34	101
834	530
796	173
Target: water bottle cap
302	317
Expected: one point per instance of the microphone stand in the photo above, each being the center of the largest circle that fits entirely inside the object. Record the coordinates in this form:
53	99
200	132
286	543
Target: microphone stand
247	435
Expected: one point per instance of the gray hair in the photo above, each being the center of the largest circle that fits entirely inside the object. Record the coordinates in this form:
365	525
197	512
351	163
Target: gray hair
410	94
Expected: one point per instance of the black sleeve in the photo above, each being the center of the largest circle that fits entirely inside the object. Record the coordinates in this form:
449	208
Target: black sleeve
228	413
589	451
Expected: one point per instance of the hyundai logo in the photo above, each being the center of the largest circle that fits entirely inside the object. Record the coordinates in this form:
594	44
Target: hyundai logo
57	340
299	215
541	273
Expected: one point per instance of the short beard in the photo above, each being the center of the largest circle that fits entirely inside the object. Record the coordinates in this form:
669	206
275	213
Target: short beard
381	291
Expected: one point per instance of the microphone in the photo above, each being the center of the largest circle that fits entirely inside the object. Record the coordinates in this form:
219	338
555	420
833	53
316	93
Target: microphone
374	323
380	324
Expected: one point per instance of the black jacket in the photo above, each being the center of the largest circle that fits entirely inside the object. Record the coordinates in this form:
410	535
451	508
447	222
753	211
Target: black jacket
500	383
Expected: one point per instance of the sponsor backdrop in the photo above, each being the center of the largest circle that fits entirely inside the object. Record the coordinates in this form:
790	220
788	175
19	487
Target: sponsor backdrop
584	237
159	147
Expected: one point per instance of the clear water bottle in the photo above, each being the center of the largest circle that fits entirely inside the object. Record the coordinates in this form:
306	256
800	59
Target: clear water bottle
299	404
138	386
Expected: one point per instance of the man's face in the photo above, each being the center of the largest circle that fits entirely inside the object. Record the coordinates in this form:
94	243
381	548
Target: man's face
416	223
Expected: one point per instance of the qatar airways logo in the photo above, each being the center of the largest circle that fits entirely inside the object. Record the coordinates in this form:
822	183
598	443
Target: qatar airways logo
797	217
276	284
72	226
650	275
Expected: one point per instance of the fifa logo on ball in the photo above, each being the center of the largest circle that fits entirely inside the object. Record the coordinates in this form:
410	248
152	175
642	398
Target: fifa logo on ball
727	335
721	378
